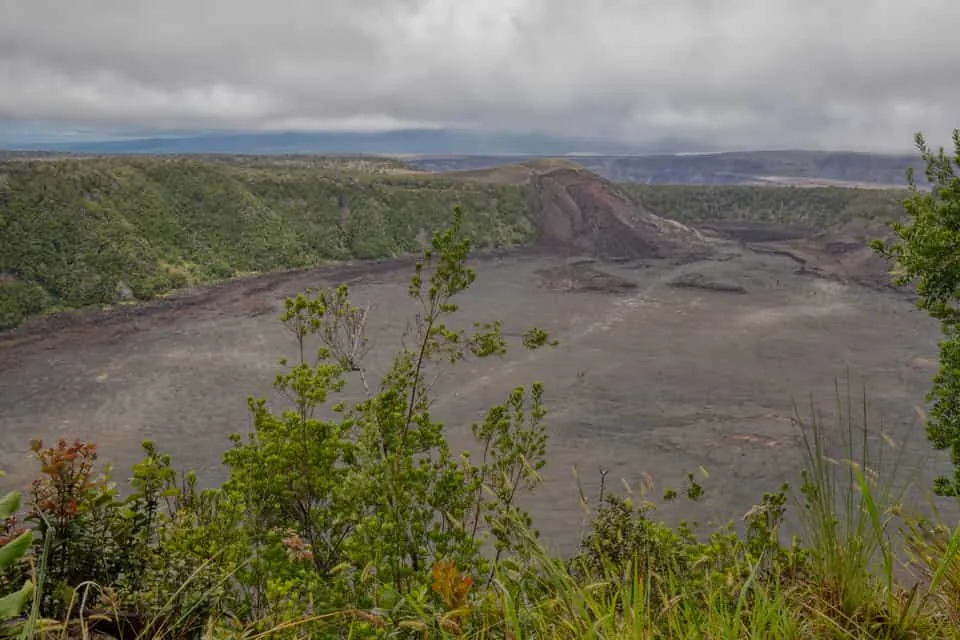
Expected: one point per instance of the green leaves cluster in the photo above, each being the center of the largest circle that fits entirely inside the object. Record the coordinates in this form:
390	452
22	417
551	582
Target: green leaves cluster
926	252
625	537
12	550
85	531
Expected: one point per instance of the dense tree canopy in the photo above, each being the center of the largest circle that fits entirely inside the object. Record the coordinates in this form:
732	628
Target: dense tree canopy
927	253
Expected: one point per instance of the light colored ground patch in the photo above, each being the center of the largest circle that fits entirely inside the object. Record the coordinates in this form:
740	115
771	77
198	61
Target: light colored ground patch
924	363
757	318
829	287
755	439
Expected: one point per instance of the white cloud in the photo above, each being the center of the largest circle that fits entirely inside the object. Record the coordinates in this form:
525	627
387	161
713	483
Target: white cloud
810	73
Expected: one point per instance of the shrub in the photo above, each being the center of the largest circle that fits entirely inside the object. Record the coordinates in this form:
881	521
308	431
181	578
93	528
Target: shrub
19	300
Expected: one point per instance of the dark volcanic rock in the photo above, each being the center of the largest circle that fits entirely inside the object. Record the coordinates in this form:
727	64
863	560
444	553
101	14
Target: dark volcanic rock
700	281
584	277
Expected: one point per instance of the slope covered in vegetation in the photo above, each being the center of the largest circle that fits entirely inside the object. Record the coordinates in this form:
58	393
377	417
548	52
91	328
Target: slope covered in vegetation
817	208
98	231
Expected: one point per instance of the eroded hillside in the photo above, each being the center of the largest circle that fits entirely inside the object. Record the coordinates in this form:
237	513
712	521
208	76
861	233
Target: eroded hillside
577	210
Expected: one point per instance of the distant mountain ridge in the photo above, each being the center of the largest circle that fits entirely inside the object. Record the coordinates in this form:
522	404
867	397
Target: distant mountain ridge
670	161
399	142
752	168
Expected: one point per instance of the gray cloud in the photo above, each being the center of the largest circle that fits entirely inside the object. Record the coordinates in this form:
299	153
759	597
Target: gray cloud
740	73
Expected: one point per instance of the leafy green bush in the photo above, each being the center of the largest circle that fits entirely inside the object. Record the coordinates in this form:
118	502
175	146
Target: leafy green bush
19	300
379	497
925	253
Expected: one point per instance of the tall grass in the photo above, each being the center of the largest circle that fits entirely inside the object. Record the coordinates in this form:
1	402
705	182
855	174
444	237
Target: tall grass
847	509
856	538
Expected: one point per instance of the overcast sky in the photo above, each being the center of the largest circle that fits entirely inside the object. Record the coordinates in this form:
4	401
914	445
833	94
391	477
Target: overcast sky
861	74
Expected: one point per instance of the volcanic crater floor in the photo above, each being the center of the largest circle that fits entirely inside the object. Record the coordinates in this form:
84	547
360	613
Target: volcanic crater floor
649	381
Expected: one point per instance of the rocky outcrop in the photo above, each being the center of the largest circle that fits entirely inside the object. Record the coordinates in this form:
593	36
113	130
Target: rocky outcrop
579	211
578	276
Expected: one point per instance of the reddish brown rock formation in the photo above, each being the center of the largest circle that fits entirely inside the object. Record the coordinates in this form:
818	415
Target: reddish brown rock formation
579	211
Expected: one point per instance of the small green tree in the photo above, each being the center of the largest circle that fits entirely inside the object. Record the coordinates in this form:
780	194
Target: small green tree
355	505
927	252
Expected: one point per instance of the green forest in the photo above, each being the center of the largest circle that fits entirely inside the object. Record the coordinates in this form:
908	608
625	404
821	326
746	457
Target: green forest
816	207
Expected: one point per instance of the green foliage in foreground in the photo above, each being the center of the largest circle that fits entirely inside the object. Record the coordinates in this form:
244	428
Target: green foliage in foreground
815	208
356	520
926	251
104	230
13	547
